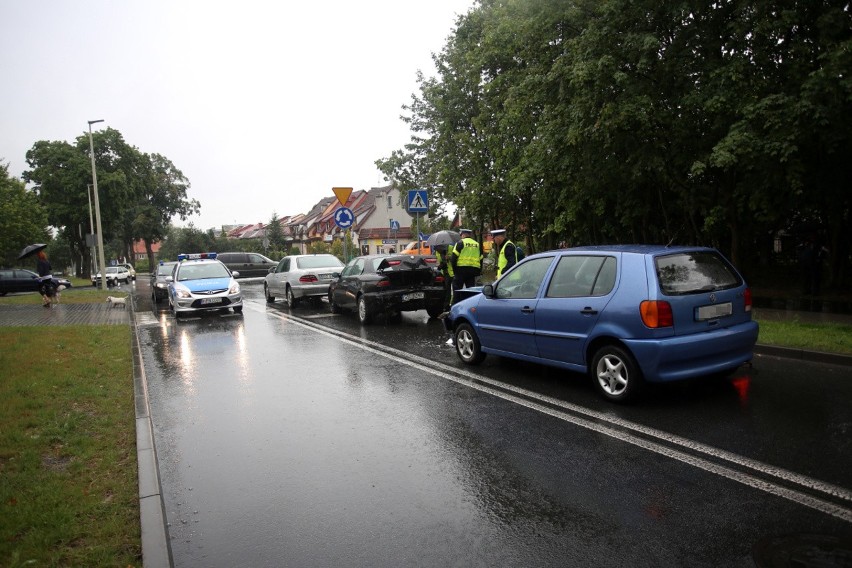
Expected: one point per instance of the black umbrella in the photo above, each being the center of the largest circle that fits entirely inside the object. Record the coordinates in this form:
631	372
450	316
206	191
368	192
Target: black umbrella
443	238
30	250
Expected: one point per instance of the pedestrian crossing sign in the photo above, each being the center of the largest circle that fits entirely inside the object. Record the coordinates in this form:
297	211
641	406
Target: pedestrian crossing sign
418	201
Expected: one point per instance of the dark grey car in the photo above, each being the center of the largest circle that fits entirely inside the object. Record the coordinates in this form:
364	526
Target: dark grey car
248	264
159	285
22	280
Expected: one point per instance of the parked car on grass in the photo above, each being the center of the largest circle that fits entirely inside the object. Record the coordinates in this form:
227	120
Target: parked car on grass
23	280
199	283
388	284
301	276
114	275
622	314
159	284
130	269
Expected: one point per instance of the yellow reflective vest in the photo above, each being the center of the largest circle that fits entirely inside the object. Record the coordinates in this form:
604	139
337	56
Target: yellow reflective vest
449	266
502	261
469	255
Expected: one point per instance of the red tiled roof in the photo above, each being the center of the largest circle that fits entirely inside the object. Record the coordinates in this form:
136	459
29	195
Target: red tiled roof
139	247
385	233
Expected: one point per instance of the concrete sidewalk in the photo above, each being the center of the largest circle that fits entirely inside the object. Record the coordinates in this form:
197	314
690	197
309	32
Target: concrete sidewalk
66	314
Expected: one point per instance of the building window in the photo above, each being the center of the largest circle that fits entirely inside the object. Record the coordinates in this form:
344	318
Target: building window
390	204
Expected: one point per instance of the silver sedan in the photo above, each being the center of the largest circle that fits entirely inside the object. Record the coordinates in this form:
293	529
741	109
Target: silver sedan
301	276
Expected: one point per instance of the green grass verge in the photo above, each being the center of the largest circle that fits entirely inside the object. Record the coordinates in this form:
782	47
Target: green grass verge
68	469
825	337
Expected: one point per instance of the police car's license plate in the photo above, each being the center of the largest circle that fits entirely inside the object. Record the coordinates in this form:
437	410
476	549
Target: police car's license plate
413	296
210	301
715	311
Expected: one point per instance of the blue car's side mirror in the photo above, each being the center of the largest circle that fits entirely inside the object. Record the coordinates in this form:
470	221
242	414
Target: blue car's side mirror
488	291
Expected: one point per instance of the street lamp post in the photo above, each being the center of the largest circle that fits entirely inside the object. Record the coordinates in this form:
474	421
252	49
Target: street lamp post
97	207
91	226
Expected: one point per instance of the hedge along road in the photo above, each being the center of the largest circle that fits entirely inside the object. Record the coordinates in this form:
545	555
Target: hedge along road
308	441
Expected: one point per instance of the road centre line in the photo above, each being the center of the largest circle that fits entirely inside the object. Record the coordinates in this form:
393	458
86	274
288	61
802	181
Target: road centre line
546	404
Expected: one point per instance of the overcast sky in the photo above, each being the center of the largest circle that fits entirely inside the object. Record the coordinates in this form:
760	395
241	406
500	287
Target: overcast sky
263	105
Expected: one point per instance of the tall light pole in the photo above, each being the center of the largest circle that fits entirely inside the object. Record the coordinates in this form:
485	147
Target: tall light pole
97	207
91	224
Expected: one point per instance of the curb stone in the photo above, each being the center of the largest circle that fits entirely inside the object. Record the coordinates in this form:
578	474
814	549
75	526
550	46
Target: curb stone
804	355
156	549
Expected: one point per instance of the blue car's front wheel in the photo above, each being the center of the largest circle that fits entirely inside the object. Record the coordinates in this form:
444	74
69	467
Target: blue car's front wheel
467	345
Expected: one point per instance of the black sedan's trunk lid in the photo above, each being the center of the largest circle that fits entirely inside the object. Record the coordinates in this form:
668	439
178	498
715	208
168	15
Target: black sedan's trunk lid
406	271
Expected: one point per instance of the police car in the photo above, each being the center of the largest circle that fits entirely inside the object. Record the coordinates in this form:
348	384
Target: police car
200	283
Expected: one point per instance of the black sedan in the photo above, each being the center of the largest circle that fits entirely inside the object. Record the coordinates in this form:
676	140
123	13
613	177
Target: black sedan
22	280
388	284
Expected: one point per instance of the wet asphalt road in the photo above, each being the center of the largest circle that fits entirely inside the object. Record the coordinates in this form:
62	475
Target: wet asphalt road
303	439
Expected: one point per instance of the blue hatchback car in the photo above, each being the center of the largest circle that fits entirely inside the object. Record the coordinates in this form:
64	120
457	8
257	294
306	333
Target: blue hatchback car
624	314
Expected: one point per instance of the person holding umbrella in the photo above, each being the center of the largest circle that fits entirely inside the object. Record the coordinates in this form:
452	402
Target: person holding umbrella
442	254
45	271
441	241
47	287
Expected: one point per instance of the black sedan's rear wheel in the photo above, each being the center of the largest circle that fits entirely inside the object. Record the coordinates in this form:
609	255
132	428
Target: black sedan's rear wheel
467	344
365	316
615	373
434	311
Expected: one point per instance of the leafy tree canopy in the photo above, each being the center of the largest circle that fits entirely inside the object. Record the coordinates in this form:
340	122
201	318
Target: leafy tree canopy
138	193
24	217
605	121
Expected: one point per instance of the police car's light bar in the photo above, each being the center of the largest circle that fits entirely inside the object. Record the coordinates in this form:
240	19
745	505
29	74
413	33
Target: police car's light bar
196	256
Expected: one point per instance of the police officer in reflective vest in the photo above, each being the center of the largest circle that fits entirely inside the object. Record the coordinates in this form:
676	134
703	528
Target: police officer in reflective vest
446	268
507	255
466	260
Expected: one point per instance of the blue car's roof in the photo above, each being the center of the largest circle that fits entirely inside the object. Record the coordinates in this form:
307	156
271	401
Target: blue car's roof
636	249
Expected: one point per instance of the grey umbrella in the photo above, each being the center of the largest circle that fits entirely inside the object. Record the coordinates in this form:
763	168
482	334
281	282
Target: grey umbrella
30	250
443	238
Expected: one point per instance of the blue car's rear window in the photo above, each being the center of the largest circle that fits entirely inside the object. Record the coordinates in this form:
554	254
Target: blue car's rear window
691	273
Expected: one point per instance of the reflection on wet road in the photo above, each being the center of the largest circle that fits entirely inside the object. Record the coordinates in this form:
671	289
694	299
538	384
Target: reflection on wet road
283	442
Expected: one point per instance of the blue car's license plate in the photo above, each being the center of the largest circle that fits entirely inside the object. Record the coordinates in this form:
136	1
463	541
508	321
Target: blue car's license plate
714	311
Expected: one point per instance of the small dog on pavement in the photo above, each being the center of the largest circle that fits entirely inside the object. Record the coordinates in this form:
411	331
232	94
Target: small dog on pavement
58	294
116	301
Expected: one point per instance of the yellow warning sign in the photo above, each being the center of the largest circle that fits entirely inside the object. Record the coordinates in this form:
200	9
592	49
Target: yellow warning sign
342	194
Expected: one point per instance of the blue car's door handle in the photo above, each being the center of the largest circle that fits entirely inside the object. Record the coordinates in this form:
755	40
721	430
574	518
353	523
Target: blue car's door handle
527	310
589	312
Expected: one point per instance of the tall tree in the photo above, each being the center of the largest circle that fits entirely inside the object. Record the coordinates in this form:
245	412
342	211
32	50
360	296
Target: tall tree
719	123
275	233
161	195
138	193
24	217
